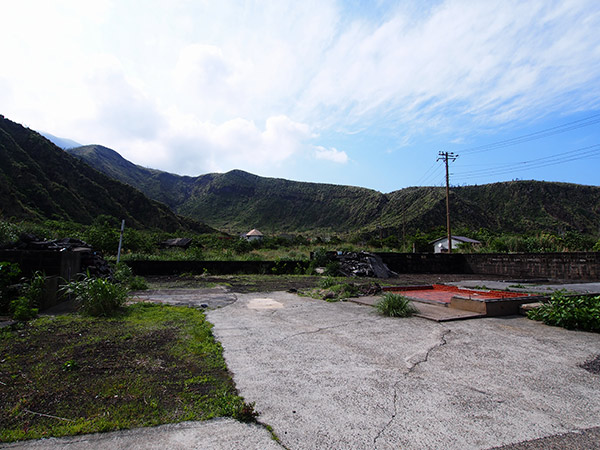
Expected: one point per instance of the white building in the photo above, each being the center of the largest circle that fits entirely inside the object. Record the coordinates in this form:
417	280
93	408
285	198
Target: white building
253	235
441	245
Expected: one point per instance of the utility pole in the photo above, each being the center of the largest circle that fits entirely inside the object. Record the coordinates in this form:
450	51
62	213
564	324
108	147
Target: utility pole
445	156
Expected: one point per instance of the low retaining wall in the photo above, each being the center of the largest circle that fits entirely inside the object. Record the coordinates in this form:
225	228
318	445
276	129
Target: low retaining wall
58	267
561	266
423	262
216	267
567	266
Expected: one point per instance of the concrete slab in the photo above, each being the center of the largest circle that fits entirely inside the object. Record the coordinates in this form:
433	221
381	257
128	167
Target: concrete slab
216	434
429	311
337	375
216	297
540	287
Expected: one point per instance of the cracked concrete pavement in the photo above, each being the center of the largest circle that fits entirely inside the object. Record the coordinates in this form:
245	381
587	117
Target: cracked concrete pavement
338	375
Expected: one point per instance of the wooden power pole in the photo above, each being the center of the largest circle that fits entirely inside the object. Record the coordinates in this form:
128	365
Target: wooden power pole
445	156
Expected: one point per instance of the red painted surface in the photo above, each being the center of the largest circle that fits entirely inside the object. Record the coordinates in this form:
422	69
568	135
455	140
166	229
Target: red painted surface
443	294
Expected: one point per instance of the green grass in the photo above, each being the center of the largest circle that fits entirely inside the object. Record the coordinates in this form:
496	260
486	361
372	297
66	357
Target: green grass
73	374
395	305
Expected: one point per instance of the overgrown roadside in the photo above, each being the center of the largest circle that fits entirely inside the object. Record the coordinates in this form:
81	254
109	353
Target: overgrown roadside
150	365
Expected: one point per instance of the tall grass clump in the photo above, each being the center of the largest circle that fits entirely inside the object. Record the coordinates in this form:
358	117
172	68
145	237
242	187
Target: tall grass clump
395	305
97	297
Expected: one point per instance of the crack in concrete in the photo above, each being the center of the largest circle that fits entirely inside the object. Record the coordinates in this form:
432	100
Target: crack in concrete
386	426
412	362
420	357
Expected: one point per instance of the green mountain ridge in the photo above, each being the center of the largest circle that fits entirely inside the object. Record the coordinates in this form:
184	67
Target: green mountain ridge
237	201
39	181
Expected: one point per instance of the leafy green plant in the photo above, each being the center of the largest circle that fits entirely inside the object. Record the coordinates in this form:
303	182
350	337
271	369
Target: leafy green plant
124	275
20	309
9	274
327	282
33	291
97	296
26	306
395	305
571	312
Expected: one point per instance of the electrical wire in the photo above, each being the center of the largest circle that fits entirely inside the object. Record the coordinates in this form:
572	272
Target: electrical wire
588	152
586	122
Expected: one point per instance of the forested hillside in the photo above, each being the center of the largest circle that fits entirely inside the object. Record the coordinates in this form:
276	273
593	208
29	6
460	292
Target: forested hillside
40	181
237	201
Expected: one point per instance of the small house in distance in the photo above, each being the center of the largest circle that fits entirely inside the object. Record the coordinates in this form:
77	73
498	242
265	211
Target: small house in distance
253	235
441	245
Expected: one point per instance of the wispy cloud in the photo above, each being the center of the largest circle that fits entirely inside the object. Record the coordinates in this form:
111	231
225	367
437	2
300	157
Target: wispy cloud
216	85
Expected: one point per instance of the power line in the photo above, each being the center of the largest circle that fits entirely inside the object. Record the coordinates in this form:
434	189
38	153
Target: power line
591	120
559	158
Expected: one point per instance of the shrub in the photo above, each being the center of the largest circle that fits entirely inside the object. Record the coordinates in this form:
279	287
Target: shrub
20	309
395	305
571	312
327	282
138	284
33	291
97	296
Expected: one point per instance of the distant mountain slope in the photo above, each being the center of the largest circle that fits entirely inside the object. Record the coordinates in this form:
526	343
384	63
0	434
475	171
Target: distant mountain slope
63	143
167	188
239	201
39	181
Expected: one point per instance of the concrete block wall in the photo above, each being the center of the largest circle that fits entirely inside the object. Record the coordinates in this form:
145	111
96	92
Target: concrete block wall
566	266
423	262
560	266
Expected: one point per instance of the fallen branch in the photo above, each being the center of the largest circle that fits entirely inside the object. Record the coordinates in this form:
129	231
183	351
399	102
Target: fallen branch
46	415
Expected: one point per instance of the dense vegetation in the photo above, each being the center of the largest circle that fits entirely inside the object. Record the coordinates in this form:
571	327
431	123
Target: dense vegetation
39	181
237	201
570	311
103	235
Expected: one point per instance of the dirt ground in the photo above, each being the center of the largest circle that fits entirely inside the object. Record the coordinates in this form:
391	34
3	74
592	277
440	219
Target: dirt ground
269	283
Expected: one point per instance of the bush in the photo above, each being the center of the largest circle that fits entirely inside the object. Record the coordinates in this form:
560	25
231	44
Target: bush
395	305
20	309
327	282
97	296
138	284
570	312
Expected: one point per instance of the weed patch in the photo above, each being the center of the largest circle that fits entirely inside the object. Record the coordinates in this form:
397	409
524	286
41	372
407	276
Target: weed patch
395	305
571	312
149	365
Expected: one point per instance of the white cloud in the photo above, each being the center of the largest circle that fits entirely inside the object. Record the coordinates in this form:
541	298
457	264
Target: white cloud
202	86
331	154
494	61
191	146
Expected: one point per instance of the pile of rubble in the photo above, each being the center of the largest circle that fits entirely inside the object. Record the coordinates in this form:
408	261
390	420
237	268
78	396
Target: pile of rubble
92	261
362	264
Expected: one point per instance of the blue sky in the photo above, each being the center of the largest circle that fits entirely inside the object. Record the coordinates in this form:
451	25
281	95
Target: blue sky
344	92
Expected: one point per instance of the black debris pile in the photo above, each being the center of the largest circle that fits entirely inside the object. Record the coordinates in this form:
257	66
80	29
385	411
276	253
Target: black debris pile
92	261
362	264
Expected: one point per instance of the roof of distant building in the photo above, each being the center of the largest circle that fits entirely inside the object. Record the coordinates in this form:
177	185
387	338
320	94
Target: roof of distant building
458	238
254	232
